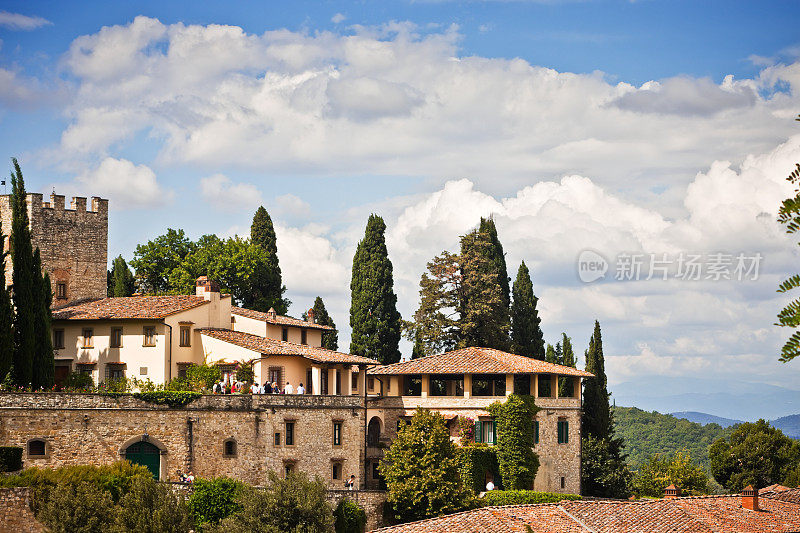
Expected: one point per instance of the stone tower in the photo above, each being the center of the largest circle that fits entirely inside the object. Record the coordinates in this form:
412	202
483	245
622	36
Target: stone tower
73	243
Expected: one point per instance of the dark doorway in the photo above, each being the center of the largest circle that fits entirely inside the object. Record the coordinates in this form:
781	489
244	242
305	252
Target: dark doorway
145	454
61	375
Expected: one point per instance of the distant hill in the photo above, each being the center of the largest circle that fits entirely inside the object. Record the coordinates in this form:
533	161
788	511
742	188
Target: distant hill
790	425
648	433
705	418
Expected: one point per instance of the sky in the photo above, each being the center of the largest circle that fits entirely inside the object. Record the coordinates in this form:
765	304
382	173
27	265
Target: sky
632	153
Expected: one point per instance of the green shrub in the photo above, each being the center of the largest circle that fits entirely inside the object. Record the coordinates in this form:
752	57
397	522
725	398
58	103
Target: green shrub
10	458
173	398
516	459
679	469
76	508
202	377
295	504
151	507
474	461
214	499
114	478
519	497
350	518
78	381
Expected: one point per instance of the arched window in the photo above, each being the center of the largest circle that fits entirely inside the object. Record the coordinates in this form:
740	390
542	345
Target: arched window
229	447
37	448
374	431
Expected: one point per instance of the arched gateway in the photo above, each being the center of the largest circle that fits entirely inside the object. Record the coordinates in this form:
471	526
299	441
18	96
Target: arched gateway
145	454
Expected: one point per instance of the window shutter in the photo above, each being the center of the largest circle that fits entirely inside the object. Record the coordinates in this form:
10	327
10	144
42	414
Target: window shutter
560	427
478	431
494	432
566	431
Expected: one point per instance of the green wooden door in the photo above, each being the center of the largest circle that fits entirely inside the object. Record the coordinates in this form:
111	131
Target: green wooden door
145	454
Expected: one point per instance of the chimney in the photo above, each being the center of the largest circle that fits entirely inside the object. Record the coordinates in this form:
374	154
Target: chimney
206	288
750	498
672	492
271	314
310	316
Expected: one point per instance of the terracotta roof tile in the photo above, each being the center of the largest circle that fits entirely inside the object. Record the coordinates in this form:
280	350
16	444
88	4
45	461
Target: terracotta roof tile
267	346
476	361
699	514
278	320
131	307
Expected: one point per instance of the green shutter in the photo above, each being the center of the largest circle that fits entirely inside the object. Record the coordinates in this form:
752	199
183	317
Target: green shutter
494	432
478	431
560	427
566	431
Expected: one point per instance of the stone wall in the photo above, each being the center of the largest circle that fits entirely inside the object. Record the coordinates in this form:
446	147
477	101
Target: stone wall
15	512
370	500
73	243
556	460
97	429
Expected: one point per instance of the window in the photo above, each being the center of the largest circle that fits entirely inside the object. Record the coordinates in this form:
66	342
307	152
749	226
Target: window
285	334
61	291
36	448
563	432
324	381
229	448
116	338
88	338
486	431
115	372
371	383
182	368
149	336
337	433
354	382
488	385
563	482
412	385
303	337
522	384
85	369
186	336
58	339
277	441
536	432
338	382
309	382
545	385
566	387
288	469
336	471
275	375
290	433
446	385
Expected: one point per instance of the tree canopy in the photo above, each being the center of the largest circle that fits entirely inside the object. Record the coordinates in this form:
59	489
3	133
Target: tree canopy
678	469
330	339
374	319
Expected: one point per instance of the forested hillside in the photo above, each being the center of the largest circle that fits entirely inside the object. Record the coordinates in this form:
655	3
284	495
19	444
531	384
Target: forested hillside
648	433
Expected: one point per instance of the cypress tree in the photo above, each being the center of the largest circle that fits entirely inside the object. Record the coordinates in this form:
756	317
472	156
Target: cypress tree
43	363
597	418
6	317
267	287
374	318
550	355
484	318
497	257
567	359
526	332
418	350
330	339
122	280
23	282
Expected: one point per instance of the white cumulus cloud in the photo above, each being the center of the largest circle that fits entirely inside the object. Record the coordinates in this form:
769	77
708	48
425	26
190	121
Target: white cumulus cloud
126	184
221	193
17	21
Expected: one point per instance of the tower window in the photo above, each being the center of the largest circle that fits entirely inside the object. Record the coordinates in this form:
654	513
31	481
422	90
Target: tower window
61	291
36	448
229	448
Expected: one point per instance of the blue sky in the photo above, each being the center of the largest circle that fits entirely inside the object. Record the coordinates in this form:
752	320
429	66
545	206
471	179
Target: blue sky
646	127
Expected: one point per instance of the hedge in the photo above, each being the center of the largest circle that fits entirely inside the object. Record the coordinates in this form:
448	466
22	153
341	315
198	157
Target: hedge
10	458
173	398
474	461
518	497
350	518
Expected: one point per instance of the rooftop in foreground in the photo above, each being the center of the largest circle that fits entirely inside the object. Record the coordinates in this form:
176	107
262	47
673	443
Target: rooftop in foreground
476	361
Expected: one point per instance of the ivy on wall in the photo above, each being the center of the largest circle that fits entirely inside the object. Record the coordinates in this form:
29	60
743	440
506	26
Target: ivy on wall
516	435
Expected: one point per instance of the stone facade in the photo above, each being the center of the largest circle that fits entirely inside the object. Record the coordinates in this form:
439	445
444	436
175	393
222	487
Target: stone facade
557	460
16	515
73	243
97	429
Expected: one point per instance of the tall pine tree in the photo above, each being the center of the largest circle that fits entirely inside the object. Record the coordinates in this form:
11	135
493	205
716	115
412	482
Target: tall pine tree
435	327
122	282
484	318
597	418
6	318
567	359
43	362
24	283
526	331
374	318
497	256
267	286
330	339
604	472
